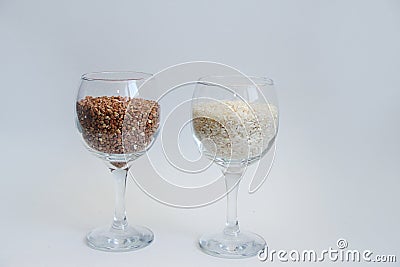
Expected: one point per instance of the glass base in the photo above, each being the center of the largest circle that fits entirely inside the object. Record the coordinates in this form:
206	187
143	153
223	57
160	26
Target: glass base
110	239
241	245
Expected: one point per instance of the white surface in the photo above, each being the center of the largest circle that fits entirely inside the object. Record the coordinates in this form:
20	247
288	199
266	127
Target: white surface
336	64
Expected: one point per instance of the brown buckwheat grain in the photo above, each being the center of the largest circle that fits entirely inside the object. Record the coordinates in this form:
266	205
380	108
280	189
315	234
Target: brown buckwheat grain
116	124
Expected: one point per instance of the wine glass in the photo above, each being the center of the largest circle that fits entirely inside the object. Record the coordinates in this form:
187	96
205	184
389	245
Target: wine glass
118	126
235	122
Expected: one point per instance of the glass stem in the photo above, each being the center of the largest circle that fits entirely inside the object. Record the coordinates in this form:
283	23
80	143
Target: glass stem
232	177
120	222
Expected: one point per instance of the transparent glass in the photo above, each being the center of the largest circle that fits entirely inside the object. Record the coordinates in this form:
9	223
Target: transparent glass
117	125
235	122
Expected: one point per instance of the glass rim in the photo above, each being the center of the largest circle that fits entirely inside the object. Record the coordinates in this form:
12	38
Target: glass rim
258	80
115	76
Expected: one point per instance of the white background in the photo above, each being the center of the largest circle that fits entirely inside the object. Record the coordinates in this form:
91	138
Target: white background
336	66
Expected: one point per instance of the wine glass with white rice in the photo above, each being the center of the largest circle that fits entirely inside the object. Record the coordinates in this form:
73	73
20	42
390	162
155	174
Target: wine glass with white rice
235	123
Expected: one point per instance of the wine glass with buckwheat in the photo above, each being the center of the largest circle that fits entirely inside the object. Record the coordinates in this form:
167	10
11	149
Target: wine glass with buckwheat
118	126
235	122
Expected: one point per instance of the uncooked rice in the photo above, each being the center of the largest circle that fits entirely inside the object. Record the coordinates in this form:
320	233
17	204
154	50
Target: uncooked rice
234	129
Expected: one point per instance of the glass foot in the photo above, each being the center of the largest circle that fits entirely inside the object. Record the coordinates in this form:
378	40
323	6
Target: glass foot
110	239
241	245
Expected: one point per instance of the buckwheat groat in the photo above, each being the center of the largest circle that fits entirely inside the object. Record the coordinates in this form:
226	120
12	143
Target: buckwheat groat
116	124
